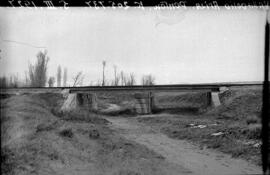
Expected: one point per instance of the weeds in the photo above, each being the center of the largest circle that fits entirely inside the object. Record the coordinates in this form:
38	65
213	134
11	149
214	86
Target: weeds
94	134
66	133
251	119
80	115
254	131
46	126
53	156
231	141
8	160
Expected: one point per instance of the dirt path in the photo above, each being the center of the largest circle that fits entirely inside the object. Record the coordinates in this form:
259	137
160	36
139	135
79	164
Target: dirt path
181	152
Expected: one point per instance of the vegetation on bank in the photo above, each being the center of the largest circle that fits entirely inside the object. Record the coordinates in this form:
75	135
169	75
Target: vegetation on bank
233	128
36	138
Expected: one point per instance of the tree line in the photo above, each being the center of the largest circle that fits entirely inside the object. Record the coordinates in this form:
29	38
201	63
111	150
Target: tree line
36	76
123	79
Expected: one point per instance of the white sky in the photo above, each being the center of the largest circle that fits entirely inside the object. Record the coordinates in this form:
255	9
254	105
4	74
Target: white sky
183	46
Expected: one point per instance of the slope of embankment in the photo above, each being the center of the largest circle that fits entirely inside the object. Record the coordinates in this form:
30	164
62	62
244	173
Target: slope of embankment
36	138
233	128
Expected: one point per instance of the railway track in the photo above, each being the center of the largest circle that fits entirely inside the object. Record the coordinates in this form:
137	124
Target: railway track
214	87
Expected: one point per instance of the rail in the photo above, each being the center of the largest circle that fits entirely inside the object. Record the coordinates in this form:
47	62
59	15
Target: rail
213	87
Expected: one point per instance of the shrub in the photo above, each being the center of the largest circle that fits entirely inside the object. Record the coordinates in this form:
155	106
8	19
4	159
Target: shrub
254	131
251	119
94	134
238	150
38	72
66	133
46	126
8	161
148	80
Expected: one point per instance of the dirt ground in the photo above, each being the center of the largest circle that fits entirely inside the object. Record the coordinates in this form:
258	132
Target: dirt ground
36	139
182	153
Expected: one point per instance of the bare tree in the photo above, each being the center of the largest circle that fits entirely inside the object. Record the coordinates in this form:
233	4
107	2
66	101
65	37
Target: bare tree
91	83
127	79
38	72
78	79
51	81
123	78
10	81
3	82
103	77
115	72
117	81
13	81
132	80
148	80
65	77
26	81
99	83
59	76
116	76
111	83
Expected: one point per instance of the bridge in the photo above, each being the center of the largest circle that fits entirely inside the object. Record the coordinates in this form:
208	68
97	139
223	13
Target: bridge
209	87
86	95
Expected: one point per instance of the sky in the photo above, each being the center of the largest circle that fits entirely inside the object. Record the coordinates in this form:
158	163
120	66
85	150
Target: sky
175	46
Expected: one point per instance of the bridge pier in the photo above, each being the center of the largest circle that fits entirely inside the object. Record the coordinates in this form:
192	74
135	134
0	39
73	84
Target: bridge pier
214	99
83	100
144	103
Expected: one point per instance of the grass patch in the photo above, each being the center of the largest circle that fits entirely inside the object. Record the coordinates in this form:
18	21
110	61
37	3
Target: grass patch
232	140
4	96
46	126
8	161
94	134
252	119
121	150
254	131
80	115
66	133
239	105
